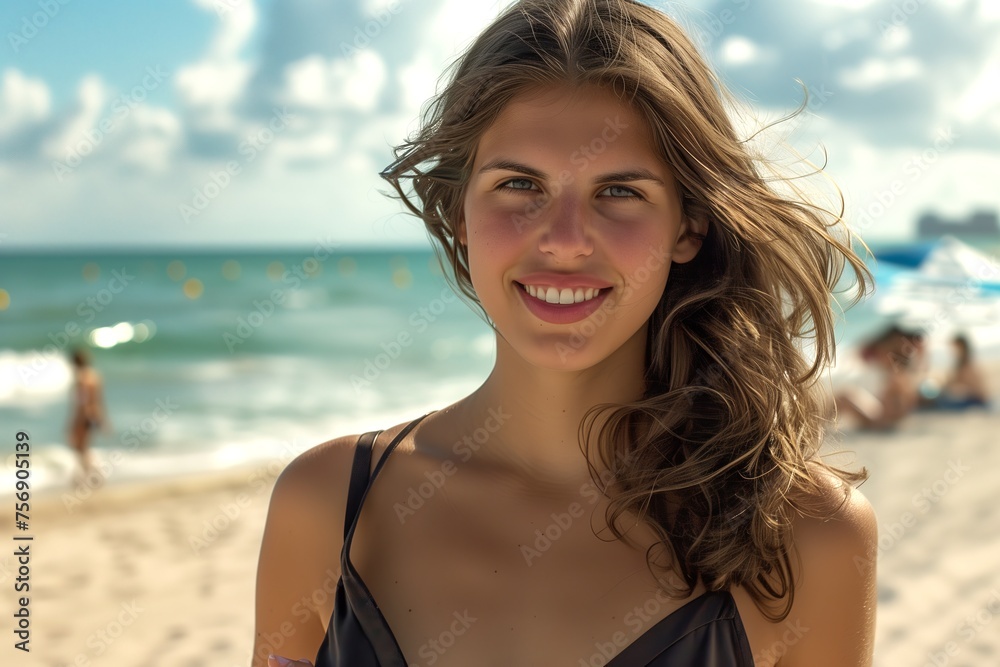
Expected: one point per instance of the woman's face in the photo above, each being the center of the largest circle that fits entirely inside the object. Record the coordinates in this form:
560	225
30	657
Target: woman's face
567	194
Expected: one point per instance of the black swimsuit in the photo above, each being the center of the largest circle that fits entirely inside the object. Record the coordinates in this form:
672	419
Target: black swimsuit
705	632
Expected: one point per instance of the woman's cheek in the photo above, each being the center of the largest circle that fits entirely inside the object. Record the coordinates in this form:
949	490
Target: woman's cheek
499	229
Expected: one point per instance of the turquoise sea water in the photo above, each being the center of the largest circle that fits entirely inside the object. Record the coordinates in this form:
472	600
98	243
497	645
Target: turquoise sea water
212	359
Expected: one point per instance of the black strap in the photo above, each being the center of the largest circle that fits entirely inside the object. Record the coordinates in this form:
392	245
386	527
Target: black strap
359	477
359	473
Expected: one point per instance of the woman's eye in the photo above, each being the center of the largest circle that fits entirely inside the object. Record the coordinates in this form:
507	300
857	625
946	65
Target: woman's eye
622	192
522	182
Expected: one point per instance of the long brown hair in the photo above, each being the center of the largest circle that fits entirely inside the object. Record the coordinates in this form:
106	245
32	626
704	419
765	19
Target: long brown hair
727	434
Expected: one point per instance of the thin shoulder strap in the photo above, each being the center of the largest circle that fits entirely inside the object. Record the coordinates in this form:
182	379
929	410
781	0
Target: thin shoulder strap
359	476
360	483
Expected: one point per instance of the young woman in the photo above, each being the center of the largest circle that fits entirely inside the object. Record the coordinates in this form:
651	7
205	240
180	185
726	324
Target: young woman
637	481
88	412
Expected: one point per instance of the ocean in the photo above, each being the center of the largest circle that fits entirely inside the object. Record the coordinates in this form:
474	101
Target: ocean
216	359
212	360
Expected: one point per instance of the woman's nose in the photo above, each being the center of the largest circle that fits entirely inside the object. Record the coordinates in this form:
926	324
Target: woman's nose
566	231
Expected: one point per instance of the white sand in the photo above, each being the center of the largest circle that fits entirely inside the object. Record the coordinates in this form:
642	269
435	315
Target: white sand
935	485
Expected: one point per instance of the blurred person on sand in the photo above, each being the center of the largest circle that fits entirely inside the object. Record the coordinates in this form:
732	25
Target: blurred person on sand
966	386
88	412
637	482
896	355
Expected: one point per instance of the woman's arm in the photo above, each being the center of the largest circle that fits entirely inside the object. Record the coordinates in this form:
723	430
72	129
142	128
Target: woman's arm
299	555
832	621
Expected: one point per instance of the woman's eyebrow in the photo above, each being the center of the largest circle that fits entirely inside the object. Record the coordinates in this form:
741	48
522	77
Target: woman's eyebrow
505	164
638	174
630	175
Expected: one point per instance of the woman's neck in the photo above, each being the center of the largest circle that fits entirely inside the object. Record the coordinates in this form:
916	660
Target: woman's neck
532	415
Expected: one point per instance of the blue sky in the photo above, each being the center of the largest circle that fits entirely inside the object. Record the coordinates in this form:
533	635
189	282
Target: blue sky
238	123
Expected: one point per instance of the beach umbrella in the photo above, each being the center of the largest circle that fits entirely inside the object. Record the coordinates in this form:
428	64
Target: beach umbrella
954	286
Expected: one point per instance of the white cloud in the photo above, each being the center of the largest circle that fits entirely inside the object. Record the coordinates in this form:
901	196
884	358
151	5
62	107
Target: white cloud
23	101
739	51
319	84
238	18
321	144
981	99
417	80
876	72
155	139
840	34
210	87
82	128
988	10
895	39
453	27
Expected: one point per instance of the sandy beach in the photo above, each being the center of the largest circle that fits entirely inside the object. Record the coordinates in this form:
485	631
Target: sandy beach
164	575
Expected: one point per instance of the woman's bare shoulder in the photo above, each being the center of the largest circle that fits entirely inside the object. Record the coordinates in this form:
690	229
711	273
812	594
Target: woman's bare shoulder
834	500
315	483
833	558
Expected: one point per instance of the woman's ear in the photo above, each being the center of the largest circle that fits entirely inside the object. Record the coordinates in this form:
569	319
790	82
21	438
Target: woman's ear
692	234
460	233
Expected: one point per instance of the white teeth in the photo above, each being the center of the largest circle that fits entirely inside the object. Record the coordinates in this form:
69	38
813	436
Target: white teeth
564	296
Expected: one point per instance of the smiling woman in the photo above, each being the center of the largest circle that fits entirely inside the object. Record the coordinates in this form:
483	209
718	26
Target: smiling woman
613	213
653	494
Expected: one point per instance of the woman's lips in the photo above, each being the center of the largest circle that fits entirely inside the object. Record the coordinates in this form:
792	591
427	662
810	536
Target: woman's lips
555	313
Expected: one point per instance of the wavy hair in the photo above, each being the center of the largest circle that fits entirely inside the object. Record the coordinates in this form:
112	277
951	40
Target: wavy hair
725	441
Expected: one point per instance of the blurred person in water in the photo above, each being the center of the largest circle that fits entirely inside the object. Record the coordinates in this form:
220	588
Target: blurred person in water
88	412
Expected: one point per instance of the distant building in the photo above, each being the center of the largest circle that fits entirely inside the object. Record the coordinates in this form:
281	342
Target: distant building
981	223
